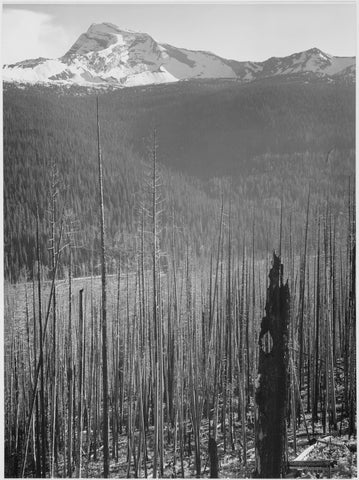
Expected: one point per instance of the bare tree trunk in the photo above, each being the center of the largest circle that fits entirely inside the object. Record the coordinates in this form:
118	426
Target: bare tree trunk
54	339
301	302
317	336
69	372
104	310
213	457
36	420
41	359
271	392
154	306
81	389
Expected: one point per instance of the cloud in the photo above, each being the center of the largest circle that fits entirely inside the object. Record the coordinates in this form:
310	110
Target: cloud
27	34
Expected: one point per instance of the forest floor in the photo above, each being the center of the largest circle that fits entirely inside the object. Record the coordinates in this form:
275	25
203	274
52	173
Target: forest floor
312	442
340	450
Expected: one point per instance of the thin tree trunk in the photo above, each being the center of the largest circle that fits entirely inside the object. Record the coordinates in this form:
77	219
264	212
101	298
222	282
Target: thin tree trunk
104	309
80	386
41	359
69	372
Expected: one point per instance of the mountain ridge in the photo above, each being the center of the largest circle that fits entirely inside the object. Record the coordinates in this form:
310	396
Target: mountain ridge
106	55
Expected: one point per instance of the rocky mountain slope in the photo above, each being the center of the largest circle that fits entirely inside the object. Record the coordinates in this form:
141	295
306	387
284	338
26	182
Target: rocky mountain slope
108	56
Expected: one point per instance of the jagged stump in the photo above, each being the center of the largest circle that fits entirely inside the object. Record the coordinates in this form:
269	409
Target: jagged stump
272	380
213	457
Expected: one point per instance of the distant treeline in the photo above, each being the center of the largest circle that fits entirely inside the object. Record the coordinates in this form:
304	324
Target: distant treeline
256	144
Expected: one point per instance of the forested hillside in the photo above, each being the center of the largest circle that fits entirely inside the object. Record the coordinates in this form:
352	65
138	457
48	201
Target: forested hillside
258	143
190	356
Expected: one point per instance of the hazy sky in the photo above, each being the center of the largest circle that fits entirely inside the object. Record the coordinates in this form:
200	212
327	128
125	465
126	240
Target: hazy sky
247	31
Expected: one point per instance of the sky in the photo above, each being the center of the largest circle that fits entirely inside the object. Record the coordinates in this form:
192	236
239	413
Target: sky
241	31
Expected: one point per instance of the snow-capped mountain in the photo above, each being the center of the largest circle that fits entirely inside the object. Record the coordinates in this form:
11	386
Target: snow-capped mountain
106	55
313	60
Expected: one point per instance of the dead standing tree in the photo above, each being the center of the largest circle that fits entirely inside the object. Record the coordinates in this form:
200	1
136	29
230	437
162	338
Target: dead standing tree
104	307
272	382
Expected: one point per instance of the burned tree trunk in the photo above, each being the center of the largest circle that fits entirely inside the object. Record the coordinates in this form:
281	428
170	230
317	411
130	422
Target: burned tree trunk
272	381
213	457
104	308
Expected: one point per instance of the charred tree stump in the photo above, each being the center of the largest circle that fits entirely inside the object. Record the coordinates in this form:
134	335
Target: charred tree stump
213	457
272	380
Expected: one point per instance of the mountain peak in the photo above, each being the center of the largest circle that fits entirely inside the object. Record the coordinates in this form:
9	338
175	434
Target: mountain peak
106	55
97	37
101	36
315	51
109	28
104	27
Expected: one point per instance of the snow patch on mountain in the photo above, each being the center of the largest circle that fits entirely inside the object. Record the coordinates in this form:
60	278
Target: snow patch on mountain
148	78
191	64
38	73
339	64
107	55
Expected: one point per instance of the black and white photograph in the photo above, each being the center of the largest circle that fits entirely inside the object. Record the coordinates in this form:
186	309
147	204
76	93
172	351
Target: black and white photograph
179	259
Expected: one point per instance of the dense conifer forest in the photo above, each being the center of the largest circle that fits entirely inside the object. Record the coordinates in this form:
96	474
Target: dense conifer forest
256	140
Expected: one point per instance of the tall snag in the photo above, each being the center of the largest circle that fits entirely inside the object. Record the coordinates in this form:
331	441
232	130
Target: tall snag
272	381
104	308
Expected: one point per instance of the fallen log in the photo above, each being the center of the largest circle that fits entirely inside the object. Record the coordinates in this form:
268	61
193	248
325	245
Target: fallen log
331	444
312	464
304	454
